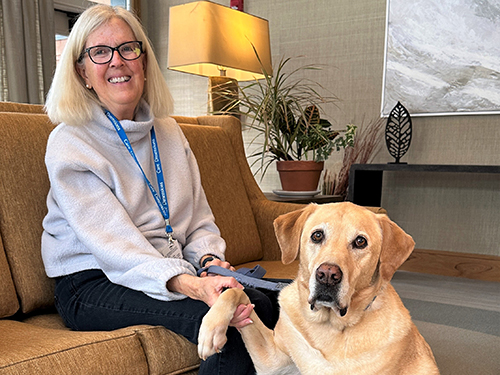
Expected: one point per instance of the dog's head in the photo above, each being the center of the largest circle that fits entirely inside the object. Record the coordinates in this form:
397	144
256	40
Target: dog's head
347	253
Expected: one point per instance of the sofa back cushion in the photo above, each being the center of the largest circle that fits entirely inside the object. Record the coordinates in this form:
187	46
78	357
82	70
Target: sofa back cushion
21	107
23	190
223	184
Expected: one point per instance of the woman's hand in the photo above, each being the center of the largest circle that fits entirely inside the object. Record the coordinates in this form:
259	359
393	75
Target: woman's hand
206	289
241	317
215	262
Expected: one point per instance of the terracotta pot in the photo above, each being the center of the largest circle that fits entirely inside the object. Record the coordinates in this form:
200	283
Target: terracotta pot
299	175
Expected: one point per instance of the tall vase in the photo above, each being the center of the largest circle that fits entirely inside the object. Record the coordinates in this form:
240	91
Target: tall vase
299	175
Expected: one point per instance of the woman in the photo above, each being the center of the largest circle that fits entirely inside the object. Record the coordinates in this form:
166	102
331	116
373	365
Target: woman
123	245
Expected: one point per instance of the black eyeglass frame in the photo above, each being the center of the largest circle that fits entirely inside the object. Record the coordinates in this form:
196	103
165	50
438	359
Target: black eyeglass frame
113	49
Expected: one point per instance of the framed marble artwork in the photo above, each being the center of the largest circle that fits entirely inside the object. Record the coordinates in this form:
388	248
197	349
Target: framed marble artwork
442	57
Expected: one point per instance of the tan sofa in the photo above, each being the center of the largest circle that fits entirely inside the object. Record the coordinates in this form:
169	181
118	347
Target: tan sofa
33	338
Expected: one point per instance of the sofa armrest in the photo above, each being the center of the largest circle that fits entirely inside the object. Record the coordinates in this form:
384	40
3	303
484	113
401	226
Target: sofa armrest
265	212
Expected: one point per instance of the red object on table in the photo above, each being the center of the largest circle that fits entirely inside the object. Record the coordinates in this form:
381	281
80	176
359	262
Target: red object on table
237	4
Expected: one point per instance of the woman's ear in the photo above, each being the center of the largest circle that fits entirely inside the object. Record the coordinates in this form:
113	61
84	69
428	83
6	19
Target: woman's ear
80	68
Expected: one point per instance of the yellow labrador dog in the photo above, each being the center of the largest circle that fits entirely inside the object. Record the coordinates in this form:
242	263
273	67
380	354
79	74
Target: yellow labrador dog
341	315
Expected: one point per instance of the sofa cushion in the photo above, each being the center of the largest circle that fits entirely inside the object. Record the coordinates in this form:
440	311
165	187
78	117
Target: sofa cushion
23	190
28	349
9	303
225	191
166	352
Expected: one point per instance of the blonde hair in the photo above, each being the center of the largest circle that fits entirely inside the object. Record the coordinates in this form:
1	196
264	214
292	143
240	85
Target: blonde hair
69	101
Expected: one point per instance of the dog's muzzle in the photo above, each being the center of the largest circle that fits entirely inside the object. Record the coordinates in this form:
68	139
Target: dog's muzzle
328	279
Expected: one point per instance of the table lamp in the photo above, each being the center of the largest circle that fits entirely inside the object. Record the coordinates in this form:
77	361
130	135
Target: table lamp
221	43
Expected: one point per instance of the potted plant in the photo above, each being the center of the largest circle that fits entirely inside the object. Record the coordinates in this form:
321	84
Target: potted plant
286	113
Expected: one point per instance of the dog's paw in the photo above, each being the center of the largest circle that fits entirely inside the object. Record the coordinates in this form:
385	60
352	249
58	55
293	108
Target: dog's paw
211	339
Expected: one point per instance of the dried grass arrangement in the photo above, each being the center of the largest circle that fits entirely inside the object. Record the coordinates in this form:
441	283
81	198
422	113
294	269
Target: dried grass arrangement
366	145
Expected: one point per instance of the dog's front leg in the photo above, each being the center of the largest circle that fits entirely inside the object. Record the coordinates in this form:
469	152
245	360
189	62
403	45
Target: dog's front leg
212	335
267	356
259	340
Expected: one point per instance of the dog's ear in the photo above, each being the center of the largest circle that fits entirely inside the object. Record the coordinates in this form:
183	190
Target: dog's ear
396	248
288	229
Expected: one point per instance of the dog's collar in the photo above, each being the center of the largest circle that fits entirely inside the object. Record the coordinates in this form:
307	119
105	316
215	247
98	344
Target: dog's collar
370	304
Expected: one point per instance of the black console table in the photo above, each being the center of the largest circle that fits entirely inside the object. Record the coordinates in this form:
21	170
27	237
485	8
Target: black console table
365	180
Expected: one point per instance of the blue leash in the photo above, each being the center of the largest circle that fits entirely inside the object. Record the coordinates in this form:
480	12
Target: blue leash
251	278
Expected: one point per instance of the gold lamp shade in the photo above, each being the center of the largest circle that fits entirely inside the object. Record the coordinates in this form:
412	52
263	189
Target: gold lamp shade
209	39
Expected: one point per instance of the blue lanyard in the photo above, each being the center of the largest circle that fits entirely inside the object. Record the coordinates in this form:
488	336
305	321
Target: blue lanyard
162	203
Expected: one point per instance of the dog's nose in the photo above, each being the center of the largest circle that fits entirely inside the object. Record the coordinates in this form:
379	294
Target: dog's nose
328	274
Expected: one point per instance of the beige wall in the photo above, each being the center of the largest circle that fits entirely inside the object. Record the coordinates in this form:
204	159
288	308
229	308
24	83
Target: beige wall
454	212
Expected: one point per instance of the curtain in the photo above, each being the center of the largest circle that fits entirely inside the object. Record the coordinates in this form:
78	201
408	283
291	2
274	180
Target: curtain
27	50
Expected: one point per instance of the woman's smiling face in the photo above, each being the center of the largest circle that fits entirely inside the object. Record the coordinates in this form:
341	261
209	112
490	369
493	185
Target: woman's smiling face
119	84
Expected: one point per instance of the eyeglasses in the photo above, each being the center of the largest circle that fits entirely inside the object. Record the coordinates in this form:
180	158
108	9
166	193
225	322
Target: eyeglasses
104	54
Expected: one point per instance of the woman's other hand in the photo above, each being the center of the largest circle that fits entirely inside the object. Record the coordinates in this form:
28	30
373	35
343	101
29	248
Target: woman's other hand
216	262
241	317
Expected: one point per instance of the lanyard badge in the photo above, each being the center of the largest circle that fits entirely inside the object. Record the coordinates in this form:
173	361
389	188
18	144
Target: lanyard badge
162	202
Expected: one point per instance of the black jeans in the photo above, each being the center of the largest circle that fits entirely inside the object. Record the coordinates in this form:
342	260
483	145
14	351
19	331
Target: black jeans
88	301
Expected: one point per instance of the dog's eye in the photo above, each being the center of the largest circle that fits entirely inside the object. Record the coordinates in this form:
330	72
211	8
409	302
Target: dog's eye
317	236
360	242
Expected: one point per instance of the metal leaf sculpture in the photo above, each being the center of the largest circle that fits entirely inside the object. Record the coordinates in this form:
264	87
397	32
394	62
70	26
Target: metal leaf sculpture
398	132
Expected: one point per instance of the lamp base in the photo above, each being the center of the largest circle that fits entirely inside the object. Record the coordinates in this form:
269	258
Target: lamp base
222	94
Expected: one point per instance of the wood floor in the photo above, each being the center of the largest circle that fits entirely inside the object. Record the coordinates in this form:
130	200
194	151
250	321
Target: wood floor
446	263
